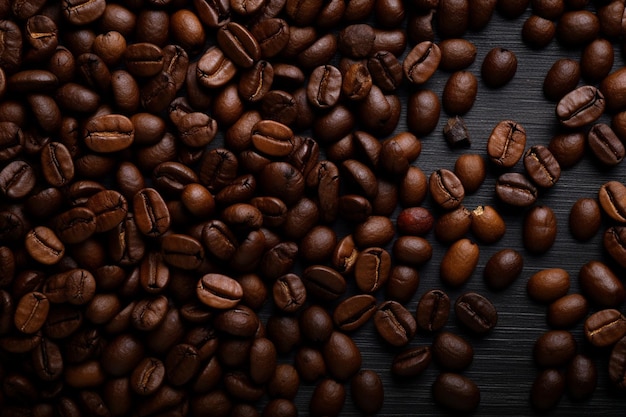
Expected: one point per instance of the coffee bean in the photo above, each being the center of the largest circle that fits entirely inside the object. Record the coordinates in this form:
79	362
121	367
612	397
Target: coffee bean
514	189
605	144
538	32
385	70
503	268
453	18
446	189
540	229
353	312
219	291
541	166
554	348
548	285
456	54
415	221
577	27
109	207
433	310
367	391
31	312
342	356
605	327
581	377
262	360
612	196
327	399
17	179
411	362
506	143
147	376
456	133
456	392
562	77
581	106
617	363
452	352
600	284
289	293
613	91
584	218
421	62
394	323
567	310
459	93
476	312
499	67
309	364
413	187
547	390
402	284
374	231
372	269
323	282
459	262
453	225
596	60
613	243
423	112
44	246
487	224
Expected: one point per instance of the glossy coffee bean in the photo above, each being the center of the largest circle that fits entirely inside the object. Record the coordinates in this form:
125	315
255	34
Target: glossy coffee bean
459	262
433	310
459	93
548	285
421	62
561	78
316	324
577	27
423	112
446	189
44	246
581	106
567	311
506	143
456	392
476	312
554	348
372	269
219	291
324	282
31	312
394	323
617	363
581	377
541	166
600	284
327	399
538	32
503	268
411	362
605	327
367	391
453	225
354	312
342	356
584	218
487	224
613	243
605	145
612	197
547	390
456	54
452	352
514	189
540	229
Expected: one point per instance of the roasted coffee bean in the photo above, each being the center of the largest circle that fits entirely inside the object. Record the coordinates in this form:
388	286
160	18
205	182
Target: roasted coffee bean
456	54
547	390
446	189
459	262
577	27
310	364
421	62
499	67
17	179
148	376
456	392
328	398
284	383
562	77
452	18
398	152
506	143
345	255
31	312
613	90
600	284
415	221
374	231
219	291
605	327
452	352
342	356
356	41
605	144
411	362
539	230
357	82
433	310
453	225
567	311
412	250
617	363
476	312
289	293
503	268
316	324
459	93
612	197
541	166
367	391
514	189
596	60
353	312
554	348
581	106
394	323
372	269
385	70
324	282
581	377
272	138
487	224
423	112
44	246
318	245
538	32
548	285
613	242
151	213
584	218
456	133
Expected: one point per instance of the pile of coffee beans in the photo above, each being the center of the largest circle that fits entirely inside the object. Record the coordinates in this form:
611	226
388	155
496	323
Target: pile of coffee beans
236	208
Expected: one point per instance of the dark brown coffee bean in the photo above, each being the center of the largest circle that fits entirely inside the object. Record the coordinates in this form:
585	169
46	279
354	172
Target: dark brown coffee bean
356	41
412	250
456	54
452	18
600	284
372	269
354	311
219	291
456	392
421	62
148	376
584	218
367	391
423	112
459	93
151	213
272	35
327	399
394	323
514	189
554	348
596	60
540	229
342	356
452	352
411	362
506	143
487	224
617	363
459	262
503	268
613	242
581	377
272	138
538	32
446	189
605	144
239	44
44	246
613	90
324	86
453	225
17	179
476	312
214	68
31	312
562	77
568	148
499	67
456	134
605	327
385	70
289	293
567	311
612	197
433	310
324	282
541	166
310	364
581	106
577	27
547	390
415	221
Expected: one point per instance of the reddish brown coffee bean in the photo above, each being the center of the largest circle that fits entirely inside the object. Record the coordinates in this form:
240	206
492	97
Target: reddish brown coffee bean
459	262
567	311
548	285
600	284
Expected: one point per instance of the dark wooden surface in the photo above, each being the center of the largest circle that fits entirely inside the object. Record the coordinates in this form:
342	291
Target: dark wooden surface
503	367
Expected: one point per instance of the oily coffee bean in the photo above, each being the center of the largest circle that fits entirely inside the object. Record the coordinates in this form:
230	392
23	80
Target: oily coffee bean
433	310
385	70
567	310
367	391
514	189
506	143
17	179
151	213
613	90
372	269
612	197
547	390
562	77
459	262
328	398
548	285
57	165
374	231
541	166
581	106
353	312
446	189
289	293
487	224
596	60
499	67
421	62
613	242
605	144
585	218
31	312
324	282
456	392
581	377
44	246
540	229
503	268
394	323
272	138
219	291
452	352
600	284
476	312
148	376
554	348
342	356
411	362
110	208
605	327
316	324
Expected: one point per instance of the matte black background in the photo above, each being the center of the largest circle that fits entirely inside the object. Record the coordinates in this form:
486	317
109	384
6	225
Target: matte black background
503	367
